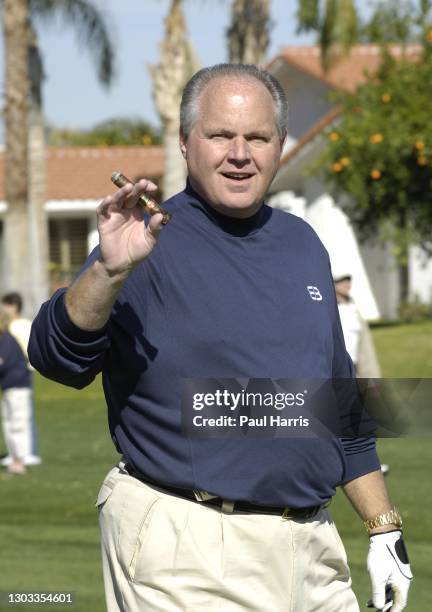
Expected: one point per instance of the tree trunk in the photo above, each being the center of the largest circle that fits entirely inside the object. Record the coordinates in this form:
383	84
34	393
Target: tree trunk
403	256
38	223
402	248
37	218
403	283
248	34
16	244
177	64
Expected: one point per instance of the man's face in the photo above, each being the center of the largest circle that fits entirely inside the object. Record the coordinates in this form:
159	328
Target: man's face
233	150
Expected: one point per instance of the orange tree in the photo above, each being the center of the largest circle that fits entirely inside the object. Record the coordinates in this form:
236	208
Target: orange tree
380	154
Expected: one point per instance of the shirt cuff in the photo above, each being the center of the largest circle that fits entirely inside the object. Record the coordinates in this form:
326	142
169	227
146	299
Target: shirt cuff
360	458
68	327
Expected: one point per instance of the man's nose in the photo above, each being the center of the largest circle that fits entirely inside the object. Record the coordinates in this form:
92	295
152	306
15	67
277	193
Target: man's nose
239	150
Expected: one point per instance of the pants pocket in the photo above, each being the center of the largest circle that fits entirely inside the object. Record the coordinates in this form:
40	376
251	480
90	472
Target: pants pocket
107	488
141	537
138	506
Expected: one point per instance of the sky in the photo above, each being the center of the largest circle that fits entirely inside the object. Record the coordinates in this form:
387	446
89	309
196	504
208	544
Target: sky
72	96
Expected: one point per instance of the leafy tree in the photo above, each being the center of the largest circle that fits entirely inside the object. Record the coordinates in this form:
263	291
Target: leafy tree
90	26
391	21
380	153
335	21
339	25
249	31
25	235
113	132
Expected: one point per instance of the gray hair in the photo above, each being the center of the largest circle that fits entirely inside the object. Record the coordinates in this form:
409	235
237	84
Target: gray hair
189	107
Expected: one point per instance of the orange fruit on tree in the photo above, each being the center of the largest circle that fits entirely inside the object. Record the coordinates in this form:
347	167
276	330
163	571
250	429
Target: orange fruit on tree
376	138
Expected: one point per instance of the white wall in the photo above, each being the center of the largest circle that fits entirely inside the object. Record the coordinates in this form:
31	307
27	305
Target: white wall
93	235
289	202
383	277
420	270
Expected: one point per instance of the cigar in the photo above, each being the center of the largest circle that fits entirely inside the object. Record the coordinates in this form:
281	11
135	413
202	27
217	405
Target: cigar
146	202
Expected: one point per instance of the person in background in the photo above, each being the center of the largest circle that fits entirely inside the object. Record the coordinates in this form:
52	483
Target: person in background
20	327
15	383
357	336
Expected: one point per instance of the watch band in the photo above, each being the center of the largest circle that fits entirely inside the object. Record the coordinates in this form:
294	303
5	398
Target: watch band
388	518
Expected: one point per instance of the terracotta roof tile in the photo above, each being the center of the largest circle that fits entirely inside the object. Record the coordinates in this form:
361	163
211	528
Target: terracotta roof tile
75	173
348	72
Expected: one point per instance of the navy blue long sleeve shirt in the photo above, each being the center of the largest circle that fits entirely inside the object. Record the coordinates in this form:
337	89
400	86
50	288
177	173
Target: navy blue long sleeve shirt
13	368
217	298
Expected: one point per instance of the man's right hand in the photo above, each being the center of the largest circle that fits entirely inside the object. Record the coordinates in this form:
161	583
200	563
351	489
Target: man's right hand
124	238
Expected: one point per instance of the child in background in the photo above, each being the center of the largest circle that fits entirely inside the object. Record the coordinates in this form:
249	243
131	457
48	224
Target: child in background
16	398
19	327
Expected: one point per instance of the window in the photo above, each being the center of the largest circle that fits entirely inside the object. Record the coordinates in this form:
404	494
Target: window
67	249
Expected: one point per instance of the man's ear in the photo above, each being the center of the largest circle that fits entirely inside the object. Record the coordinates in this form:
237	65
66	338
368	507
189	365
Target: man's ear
183	145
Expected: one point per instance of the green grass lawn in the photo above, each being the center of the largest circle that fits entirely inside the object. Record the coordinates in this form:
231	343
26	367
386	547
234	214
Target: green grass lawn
405	350
49	538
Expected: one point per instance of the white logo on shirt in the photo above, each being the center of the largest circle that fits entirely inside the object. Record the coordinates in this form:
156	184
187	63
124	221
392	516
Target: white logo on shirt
314	292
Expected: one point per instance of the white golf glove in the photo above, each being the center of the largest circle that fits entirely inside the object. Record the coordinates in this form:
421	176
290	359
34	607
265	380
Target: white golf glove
388	564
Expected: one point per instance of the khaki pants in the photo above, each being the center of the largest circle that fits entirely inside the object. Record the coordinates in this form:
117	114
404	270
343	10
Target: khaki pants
17	424
167	554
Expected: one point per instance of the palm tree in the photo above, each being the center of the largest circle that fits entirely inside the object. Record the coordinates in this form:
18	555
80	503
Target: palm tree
16	244
37	221
26	236
177	64
249	32
336	23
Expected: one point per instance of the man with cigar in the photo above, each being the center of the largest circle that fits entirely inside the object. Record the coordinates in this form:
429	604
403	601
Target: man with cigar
230	288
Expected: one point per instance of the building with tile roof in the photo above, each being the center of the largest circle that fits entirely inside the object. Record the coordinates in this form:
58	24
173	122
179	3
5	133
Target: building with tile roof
77	178
308	89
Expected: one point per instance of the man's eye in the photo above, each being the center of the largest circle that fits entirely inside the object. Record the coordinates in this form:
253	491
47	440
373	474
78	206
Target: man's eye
219	136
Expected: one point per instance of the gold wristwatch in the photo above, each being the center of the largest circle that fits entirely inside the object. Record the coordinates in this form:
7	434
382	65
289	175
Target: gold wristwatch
388	518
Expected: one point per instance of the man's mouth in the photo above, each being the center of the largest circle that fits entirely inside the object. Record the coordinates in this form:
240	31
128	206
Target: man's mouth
237	176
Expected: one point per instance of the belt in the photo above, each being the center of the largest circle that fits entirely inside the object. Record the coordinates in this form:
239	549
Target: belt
218	502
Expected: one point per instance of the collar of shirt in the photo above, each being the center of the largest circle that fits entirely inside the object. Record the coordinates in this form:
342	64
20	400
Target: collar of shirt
229	225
